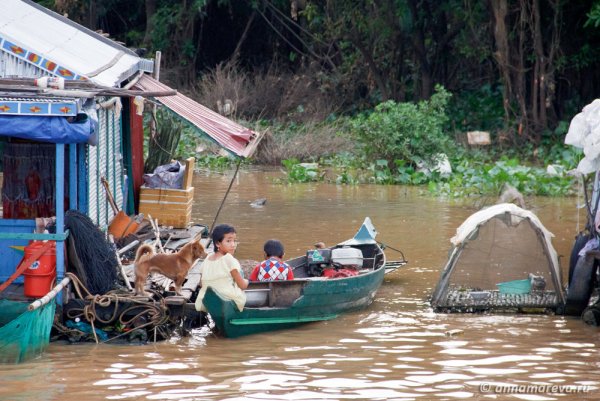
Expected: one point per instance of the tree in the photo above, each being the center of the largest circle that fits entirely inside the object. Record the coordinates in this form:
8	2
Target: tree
527	43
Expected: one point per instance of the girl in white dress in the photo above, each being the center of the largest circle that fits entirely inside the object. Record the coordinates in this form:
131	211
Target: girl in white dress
221	271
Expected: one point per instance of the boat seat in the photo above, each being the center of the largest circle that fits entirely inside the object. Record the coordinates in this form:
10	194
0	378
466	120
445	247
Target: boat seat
257	297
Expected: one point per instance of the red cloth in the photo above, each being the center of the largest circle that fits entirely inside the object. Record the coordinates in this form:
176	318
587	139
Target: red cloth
339	273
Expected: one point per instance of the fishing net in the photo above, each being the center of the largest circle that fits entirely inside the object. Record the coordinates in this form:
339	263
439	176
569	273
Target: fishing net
502	259
97	262
24	334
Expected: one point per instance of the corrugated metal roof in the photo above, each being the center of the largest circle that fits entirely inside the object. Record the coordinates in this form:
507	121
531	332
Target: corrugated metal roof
235	138
61	47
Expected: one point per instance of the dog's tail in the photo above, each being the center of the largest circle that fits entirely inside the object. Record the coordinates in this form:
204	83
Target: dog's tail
144	251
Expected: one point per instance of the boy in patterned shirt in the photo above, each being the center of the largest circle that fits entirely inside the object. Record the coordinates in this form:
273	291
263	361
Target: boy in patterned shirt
273	267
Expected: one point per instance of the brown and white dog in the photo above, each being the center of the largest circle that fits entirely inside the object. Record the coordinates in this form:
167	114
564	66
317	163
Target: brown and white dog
174	266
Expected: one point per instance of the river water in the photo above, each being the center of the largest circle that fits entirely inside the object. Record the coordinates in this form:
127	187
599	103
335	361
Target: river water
396	349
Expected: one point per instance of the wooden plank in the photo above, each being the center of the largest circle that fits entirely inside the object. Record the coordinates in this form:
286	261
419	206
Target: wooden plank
165	199
193	280
167	191
178	221
189	172
177	196
165	207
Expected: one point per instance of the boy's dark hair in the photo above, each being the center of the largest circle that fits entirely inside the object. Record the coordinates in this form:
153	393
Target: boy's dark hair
219	232
274	247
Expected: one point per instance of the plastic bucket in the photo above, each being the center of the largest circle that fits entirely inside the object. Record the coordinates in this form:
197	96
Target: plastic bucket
40	275
515	287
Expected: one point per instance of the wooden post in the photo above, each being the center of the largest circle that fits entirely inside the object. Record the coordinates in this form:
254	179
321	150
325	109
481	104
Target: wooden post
136	125
156	71
189	172
155	75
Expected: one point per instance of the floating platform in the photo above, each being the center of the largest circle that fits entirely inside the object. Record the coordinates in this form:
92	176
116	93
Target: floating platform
460	300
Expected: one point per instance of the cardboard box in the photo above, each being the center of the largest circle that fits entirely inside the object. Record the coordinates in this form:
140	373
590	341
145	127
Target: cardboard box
172	207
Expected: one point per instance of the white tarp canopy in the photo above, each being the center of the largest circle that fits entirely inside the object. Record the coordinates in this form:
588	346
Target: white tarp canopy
516	214
584	133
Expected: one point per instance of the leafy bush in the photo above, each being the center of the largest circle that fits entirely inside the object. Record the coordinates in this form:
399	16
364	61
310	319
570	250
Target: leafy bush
405	131
476	110
301	172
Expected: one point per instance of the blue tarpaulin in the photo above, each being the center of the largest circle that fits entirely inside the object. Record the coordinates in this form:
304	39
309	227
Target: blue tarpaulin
46	129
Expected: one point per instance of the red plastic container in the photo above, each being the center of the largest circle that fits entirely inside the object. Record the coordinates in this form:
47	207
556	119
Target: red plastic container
40	276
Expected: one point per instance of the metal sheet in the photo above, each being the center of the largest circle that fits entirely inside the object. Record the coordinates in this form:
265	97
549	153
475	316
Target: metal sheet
235	138
54	44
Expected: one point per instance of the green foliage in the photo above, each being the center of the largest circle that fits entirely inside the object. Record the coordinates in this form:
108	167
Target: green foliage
365	52
165	19
214	162
134	36
162	146
593	16
476	110
471	178
405	131
301	172
474	173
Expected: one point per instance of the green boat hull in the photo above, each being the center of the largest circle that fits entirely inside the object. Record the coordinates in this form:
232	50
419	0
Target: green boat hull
318	300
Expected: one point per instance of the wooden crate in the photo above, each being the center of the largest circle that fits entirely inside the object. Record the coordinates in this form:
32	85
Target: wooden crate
172	207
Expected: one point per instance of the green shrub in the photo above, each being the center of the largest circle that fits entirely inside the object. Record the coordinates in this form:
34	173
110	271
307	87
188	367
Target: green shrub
405	131
301	172
476	110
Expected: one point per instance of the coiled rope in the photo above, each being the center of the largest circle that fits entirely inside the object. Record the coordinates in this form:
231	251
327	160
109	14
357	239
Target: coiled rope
157	311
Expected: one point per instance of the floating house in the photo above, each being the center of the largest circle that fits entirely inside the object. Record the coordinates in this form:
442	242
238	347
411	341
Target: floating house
70	119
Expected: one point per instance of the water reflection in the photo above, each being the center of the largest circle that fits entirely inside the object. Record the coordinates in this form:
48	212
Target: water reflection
396	349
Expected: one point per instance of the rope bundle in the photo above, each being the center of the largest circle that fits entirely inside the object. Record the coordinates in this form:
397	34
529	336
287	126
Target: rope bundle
157	312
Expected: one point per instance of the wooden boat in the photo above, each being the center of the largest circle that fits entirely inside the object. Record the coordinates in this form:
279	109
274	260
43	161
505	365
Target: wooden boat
309	297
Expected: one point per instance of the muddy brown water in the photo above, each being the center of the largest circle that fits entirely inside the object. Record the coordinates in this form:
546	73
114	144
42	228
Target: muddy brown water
396	349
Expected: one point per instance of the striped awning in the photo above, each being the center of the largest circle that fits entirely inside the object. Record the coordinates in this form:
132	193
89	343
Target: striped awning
233	137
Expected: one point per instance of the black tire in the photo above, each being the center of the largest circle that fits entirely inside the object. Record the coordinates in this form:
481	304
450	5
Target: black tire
580	240
591	316
581	285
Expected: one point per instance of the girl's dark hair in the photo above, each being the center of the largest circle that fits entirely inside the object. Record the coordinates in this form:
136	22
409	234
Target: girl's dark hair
274	247
219	232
